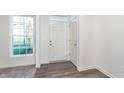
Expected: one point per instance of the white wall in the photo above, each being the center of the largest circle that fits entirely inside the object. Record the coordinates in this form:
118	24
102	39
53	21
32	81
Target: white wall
111	36
102	44
44	39
87	42
5	59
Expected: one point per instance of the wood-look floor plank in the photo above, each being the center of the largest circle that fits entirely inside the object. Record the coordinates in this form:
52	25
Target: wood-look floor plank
53	70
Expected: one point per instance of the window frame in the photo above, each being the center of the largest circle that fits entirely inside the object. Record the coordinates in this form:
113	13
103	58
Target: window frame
11	36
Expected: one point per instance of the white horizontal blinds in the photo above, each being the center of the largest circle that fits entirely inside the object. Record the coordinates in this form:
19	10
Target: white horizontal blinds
22	35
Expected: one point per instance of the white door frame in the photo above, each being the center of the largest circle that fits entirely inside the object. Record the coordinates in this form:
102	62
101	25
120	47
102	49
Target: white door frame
37	53
76	18
37	61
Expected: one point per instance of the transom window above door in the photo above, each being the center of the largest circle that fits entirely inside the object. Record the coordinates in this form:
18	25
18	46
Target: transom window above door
21	35
58	18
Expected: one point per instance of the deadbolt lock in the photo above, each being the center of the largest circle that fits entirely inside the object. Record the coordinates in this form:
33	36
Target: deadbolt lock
50	44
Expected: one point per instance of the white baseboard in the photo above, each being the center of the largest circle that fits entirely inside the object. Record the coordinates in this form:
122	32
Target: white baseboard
44	62
37	65
17	65
85	68
25	64
98	68
68	59
105	72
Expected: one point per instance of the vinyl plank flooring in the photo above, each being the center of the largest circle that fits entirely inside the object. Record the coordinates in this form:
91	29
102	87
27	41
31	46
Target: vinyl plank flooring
53	70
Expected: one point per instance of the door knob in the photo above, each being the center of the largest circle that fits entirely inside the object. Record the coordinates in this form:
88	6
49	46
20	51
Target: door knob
75	44
50	44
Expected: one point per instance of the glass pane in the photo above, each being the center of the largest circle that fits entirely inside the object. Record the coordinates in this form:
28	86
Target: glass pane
16	31
23	50
29	50
22	32
16	51
21	19
22	41
29	26
58	18
16	41
28	41
16	19
16	25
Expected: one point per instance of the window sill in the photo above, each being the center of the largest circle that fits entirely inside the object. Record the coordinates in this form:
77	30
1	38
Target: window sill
18	56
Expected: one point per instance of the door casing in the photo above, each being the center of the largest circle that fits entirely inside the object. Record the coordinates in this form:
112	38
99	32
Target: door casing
75	48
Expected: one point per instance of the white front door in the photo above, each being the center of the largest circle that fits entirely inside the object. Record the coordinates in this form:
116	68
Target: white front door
73	40
57	43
